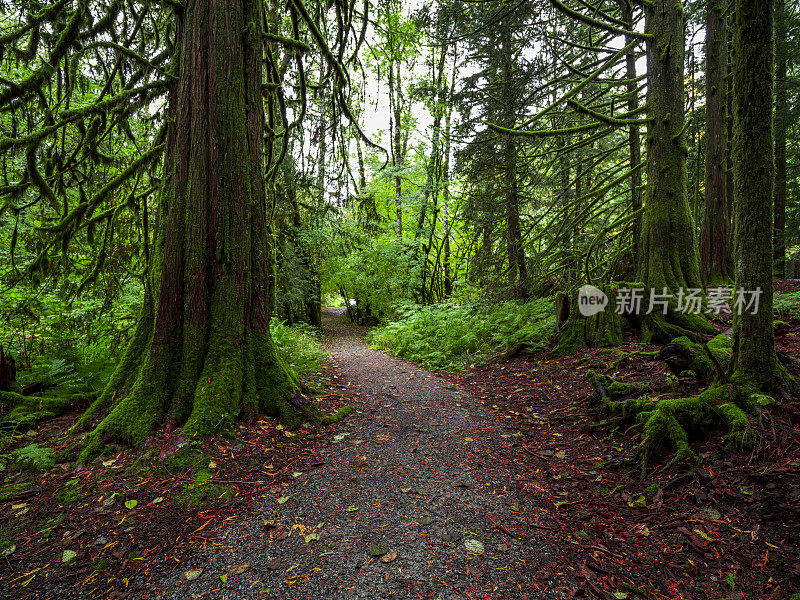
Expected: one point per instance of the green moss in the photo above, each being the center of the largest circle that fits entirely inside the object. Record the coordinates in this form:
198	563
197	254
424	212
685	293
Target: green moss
652	490
185	459
196	494
71	492
606	388
8	492
337	416
51	525
100	565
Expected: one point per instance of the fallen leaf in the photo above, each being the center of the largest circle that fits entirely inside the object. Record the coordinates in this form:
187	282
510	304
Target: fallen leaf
192	575
476	570
542	575
425	521
274	564
560	454
158	500
390	557
502	548
283	499
131	504
108	463
239	569
8	550
212	465
474	546
282	534
312	537
377	550
223	578
351	508
68	556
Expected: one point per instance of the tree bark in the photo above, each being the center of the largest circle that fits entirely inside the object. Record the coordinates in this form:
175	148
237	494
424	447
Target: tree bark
781	124
517	268
715	236
634	143
753	173
202	353
668	256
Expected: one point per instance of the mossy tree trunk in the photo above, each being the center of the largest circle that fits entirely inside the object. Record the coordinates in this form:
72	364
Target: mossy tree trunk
753	177
715	259
781	123
202	352
668	250
517	268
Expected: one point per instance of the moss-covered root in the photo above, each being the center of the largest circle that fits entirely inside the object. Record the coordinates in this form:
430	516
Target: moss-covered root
670	420
708	361
607	389
660	329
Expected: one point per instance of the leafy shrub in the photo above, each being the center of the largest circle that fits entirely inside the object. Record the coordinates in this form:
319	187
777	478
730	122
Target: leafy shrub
35	457
300	346
449	335
787	305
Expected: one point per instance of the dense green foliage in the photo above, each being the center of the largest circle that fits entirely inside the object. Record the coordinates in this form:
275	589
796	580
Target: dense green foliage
450	335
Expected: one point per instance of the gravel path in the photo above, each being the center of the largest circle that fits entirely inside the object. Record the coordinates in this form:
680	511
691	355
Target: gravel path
411	472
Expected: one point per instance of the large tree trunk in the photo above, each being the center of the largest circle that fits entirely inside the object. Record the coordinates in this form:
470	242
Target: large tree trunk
781	123
668	255
715	236
753	171
202	352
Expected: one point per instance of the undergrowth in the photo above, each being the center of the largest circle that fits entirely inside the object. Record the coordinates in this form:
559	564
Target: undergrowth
451	335
786	305
300	346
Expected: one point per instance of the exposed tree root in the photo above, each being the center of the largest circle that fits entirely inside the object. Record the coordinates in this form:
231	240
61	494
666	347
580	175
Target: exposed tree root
671	421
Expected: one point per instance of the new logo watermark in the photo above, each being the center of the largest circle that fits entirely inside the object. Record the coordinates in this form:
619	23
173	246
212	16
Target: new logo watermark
591	300
635	301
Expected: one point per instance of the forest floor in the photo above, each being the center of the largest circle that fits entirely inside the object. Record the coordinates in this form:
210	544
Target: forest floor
487	483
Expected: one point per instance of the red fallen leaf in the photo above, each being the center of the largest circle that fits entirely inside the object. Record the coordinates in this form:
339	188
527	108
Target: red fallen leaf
282	534
584	571
476	570
274	564
542	575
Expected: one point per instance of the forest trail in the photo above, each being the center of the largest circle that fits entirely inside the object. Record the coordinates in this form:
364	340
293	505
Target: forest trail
411	472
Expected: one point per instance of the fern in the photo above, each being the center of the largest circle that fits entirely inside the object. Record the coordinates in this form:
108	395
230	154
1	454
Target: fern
35	457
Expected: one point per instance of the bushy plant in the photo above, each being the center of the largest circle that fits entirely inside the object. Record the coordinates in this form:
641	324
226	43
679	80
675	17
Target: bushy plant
35	458
300	346
449	335
787	305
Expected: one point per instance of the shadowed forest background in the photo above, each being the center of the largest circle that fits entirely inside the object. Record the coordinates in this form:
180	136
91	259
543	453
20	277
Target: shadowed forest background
185	186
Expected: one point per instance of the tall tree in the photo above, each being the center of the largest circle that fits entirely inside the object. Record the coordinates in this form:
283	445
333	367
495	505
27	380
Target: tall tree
669	258
753	180
202	352
781	124
715	235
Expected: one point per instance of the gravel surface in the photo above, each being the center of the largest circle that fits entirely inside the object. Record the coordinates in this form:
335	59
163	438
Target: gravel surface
411	472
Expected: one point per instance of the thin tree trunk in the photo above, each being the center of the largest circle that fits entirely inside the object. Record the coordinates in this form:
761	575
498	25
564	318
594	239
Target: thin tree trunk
715	235
634	140
781	124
